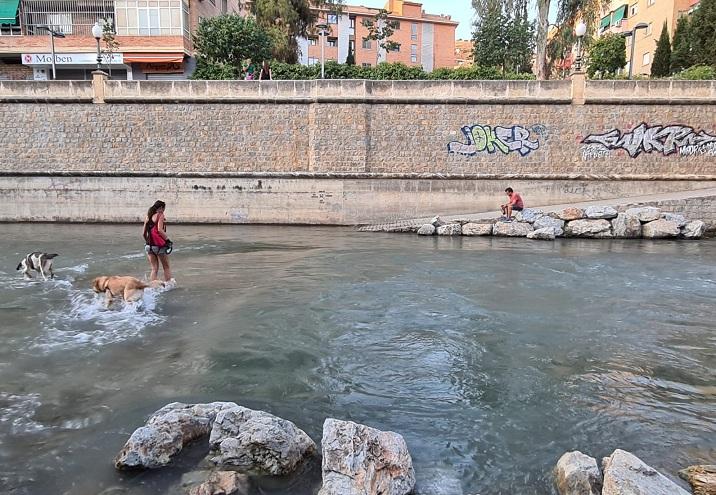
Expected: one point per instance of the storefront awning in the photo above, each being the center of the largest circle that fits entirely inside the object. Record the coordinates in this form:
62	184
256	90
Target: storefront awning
152	58
605	22
8	11
619	14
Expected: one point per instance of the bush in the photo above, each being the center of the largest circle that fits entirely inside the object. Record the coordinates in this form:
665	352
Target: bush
697	73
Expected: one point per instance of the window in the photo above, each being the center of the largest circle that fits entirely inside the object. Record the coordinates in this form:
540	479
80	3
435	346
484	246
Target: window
634	10
396	49
312	61
60	22
148	21
646	59
152	17
414	31
332	42
649	3
351	46
413	58
397	25
413	53
648	30
313	41
366	64
352	30
367	44
332	18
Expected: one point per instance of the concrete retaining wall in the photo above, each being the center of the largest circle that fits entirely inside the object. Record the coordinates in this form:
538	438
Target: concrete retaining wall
344	152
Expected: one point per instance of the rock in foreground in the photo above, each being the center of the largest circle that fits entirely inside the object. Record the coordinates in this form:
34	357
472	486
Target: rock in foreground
626	226
359	460
427	229
578	474
694	230
660	229
450	229
529	215
597	212
569	214
258	441
545	234
645	213
223	483
588	228
512	229
476	229
548	222
626	474
701	478
166	432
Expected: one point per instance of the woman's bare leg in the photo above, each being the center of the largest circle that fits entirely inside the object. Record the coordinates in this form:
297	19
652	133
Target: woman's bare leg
165	266
155	265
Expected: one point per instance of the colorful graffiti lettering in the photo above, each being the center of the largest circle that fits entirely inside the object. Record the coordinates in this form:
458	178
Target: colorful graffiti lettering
667	140
488	139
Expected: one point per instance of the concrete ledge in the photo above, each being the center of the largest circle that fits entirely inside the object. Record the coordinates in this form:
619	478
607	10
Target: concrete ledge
46	91
651	92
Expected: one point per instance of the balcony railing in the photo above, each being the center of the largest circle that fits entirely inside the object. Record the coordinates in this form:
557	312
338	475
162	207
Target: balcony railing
75	17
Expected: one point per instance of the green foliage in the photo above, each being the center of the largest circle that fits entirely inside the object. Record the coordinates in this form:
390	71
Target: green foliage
503	36
388	71
703	33
697	73
606	56
380	29
224	42
681	57
661	66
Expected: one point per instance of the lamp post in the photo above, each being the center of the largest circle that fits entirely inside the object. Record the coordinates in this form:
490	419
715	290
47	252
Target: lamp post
323	32
97	33
580	31
632	33
53	34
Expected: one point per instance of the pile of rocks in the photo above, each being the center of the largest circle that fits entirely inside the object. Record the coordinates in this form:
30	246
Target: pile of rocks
597	222
357	459
624	474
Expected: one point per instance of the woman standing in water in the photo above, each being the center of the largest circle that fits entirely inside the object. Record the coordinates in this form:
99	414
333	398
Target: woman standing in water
158	246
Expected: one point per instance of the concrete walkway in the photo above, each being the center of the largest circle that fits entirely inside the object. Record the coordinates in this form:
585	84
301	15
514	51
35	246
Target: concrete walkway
493	215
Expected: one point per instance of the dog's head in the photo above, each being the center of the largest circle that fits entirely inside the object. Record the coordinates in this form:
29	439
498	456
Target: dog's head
99	284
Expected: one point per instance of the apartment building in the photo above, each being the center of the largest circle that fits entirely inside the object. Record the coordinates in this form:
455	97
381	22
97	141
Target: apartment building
463	53
426	40
154	37
624	15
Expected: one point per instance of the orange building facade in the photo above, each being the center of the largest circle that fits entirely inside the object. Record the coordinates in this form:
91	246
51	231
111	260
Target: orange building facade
425	40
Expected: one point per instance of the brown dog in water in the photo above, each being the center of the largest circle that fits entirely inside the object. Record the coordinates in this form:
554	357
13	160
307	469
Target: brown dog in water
128	288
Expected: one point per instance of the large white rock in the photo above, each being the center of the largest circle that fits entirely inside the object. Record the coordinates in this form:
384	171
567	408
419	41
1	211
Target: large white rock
223	483
660	229
645	213
597	212
626	226
437	222
548	222
166	432
360	460
258	441
626	474
578	474
529	215
512	229
545	234
675	217
694	229
588	228
450	229
569	214
475	229
427	229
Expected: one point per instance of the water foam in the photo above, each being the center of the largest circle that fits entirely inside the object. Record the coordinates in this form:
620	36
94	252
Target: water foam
17	411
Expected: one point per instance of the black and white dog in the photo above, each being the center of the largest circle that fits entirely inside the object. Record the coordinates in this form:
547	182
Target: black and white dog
40	262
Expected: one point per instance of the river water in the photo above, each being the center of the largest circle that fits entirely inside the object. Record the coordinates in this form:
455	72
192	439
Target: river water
492	357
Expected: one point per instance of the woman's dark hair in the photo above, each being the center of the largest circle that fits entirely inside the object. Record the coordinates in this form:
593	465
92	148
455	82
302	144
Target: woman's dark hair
266	66
152	210
509	189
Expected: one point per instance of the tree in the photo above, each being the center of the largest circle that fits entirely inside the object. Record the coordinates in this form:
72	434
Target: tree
681	57
703	33
380	29
520	40
490	36
288	20
110	42
607	55
661	65
541	38
351	58
223	43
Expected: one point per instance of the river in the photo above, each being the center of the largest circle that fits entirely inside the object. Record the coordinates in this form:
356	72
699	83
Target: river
492	357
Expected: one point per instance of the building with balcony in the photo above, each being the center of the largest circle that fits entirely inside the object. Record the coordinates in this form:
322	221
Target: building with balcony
426	40
463	53
623	16
154	36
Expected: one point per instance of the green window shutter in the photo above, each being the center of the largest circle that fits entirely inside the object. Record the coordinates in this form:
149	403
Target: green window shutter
619	14
604	22
8	11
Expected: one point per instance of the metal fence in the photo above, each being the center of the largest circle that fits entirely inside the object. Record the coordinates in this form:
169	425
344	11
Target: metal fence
74	17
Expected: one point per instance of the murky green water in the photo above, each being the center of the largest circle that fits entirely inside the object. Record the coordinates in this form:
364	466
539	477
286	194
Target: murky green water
491	356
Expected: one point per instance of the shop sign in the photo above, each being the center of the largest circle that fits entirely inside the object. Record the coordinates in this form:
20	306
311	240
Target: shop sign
71	59
162	67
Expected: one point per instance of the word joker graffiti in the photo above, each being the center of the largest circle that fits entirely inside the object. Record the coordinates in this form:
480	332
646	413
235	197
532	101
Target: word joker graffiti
487	139
667	140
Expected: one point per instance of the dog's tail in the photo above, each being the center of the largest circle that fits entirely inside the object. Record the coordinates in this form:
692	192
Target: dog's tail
50	256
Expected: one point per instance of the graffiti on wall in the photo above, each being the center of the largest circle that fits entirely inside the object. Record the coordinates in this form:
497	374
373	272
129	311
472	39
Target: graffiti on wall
482	138
664	139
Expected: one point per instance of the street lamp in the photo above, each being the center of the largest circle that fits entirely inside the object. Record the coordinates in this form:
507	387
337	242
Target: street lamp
580	31
97	33
632	33
323	32
53	34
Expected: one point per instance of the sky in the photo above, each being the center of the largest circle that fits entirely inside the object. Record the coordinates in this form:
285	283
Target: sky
460	10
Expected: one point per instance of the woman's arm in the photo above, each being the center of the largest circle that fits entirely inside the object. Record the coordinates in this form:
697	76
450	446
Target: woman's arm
161	227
